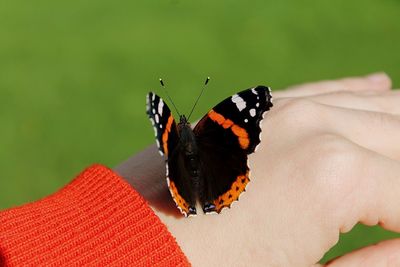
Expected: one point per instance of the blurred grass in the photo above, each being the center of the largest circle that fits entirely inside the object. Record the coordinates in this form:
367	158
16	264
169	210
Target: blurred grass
74	74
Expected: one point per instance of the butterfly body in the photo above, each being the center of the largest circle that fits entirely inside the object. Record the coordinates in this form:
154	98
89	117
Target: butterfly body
208	164
188	148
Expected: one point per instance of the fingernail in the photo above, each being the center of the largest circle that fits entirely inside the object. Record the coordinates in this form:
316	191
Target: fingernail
377	77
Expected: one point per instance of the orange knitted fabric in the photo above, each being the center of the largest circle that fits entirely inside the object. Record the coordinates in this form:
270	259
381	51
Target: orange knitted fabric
97	219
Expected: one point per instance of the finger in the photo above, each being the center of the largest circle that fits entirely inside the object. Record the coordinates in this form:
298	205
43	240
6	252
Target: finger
372	192
375	131
385	253
370	188
376	81
387	102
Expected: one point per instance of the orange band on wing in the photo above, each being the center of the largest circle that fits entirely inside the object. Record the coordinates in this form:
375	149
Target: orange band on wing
240	132
179	200
226	199
165	134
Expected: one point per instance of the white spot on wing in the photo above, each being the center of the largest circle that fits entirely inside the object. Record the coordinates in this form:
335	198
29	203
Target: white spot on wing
154	111
246	120
258	104
160	107
157	118
259	136
157	142
262	118
270	95
254	91
252	112
154	126
240	103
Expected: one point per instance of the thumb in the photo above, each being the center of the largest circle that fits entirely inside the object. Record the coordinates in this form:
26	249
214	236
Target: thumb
386	253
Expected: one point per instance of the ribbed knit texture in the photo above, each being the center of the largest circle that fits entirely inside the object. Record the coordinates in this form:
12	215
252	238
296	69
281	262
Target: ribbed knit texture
97	219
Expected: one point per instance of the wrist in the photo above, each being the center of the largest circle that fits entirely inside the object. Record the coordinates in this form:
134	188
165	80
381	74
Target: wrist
145	172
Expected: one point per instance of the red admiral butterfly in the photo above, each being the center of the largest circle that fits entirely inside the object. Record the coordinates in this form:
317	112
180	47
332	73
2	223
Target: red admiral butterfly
209	163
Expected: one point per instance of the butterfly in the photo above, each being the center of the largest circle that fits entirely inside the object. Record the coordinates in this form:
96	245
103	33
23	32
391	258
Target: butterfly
208	164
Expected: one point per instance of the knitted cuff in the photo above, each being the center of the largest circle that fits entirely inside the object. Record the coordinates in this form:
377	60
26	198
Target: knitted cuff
97	219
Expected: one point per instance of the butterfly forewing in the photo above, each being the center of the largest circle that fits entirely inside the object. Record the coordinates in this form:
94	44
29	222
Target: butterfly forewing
245	110
163	123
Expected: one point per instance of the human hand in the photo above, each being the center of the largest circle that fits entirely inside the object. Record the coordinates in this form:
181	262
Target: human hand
328	159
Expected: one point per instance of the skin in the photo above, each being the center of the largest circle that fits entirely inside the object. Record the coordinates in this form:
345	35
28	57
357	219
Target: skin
329	158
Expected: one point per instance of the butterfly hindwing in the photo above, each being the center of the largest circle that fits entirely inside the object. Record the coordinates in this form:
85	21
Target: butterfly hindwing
225	136
180	183
223	168
167	139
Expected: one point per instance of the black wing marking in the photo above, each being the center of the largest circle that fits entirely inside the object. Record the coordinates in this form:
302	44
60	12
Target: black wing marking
225	136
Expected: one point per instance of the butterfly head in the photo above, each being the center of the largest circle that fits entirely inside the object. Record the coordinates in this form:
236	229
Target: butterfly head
183	120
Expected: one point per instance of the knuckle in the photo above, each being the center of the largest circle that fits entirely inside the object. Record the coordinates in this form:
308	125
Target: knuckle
299	112
337	162
335	150
295	104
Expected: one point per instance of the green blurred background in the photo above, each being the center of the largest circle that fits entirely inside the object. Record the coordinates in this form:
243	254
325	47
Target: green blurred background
74	74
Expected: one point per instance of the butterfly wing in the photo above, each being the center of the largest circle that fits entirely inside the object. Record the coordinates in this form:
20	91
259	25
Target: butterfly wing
225	136
164	125
180	185
167	139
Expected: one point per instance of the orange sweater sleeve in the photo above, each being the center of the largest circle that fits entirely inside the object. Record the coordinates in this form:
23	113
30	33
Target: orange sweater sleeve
97	219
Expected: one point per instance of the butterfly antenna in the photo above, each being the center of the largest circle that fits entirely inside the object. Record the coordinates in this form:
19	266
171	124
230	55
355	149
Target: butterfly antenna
197	100
163	86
